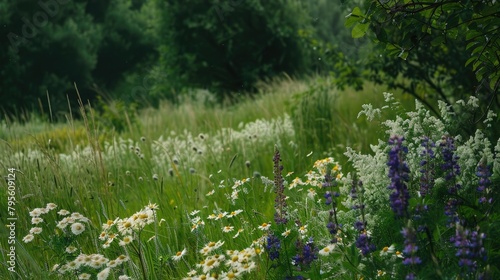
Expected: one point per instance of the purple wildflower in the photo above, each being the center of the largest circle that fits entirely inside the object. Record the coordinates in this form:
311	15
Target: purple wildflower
273	246
363	243
469	245
450	161
333	226
451	169
410	276
307	253
280	216
427	177
410	249
399	175
484	174
328	198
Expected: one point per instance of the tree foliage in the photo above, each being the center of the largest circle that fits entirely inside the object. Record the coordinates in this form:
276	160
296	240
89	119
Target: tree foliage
448	47
229	45
50	45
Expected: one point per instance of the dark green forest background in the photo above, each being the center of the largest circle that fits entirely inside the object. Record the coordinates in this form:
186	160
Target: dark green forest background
141	51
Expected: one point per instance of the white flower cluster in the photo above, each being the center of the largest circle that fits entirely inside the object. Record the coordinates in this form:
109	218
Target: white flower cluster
93	261
125	229
184	148
372	168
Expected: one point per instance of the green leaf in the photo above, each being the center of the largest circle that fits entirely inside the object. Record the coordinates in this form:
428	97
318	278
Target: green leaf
471	44
403	54
354	17
352	20
357	12
437	41
470	60
452	33
359	30
494	79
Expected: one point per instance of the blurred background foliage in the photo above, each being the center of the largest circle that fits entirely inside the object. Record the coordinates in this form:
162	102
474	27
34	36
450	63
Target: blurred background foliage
124	55
141	51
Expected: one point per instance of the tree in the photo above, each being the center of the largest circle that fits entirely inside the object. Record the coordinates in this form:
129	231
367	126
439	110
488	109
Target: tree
450	46
229	45
53	44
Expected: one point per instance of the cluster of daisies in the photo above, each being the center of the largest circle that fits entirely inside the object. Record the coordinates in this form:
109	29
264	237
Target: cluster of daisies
126	228
71	222
84	264
316	177
231	265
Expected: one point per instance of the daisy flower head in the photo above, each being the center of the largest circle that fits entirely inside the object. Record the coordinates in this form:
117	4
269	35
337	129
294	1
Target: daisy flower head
228	228
51	206
104	274
36	220
63	212
234	213
77	228
311	193
210	246
265	226
28	238
286	233
327	250
179	255
211	262
36	212
36	230
84	276
112	263
121	259
126	240
399	255
70	249
387	250
152	206
303	229
210	193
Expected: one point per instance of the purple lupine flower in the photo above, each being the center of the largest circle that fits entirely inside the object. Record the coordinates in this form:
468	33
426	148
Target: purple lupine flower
484	174
399	175
280	216
451	169
410	276
354	194
333	226
427	177
363	243
273	246
359	225
450	161
411	247
328	198
307	253
469	245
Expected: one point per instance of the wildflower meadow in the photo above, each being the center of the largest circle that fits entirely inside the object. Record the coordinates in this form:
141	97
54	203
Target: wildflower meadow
399	193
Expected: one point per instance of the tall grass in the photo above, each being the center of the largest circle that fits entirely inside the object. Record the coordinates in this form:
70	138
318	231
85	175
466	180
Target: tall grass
194	156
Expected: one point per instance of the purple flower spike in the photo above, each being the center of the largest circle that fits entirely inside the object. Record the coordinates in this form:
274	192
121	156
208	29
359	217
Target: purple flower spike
399	175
